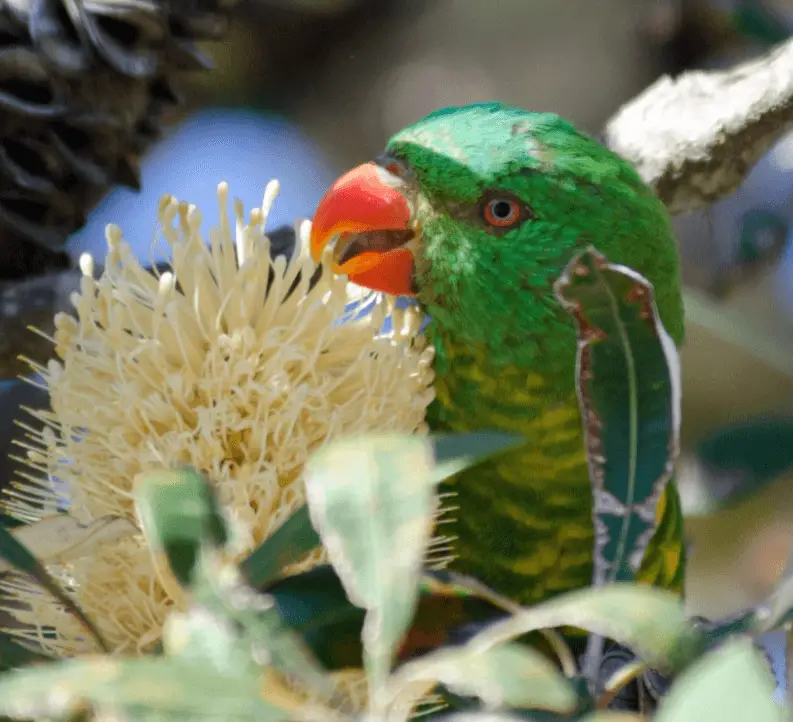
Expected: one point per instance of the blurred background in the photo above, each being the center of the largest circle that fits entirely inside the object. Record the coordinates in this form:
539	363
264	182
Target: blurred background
304	89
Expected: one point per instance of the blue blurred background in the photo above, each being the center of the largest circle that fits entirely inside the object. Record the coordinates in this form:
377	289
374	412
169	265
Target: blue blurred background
244	146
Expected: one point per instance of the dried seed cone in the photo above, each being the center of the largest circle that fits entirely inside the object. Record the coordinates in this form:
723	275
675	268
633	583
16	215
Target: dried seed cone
232	364
83	89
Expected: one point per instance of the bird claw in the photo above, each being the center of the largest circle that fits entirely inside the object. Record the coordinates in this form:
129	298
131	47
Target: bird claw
641	694
632	696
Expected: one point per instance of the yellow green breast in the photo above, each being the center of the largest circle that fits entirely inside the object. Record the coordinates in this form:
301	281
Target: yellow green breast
523	521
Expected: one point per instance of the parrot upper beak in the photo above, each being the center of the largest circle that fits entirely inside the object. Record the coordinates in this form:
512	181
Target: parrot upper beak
368	210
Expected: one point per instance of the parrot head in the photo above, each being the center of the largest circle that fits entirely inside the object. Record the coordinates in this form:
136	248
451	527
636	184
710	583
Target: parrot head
477	210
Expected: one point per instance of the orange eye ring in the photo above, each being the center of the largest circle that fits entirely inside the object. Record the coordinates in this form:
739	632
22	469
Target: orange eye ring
502	212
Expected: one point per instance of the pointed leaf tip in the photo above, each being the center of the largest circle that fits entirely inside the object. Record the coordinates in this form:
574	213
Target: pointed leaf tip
373	500
455	452
290	543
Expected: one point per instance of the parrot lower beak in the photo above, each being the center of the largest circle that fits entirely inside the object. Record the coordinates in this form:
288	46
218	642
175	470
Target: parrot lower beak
369	213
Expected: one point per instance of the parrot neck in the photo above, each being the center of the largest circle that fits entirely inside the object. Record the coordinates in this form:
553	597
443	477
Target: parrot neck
539	353
476	390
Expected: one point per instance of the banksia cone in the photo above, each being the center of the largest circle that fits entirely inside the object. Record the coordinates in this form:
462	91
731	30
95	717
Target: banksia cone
83	90
231	362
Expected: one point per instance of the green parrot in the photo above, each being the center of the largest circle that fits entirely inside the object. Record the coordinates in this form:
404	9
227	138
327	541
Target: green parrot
475	211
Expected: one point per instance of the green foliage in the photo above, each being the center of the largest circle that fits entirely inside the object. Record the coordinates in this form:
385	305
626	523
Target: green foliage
212	662
389	509
289	544
315	605
13	654
628	382
235	642
629	388
506	675
369	499
147	688
731	684
648	620
297	537
179	518
743	458
454	452
256	645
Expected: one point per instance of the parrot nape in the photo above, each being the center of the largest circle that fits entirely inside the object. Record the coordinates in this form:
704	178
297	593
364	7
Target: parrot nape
476	211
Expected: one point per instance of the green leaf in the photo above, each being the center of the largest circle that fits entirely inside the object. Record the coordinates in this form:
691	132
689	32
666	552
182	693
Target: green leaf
373	502
508	675
731	684
295	538
629	388
20	558
766	26
180	516
650	621
265	634
315	605
236	632
200	636
13	654
10	522
135	689
454	452
743	459
484	717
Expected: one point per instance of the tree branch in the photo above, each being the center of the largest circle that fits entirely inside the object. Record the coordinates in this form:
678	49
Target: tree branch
696	137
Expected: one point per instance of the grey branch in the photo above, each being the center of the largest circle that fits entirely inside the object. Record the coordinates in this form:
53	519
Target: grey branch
696	137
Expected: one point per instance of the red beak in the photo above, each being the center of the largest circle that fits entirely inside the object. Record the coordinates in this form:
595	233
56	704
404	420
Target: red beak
364	200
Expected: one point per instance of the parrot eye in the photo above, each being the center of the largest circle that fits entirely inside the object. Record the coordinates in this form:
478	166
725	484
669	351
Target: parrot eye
393	165
502	212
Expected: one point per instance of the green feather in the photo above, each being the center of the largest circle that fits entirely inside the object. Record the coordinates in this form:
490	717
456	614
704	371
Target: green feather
506	348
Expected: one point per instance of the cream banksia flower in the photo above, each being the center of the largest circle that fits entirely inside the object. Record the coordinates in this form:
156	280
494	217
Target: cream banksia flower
216	365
